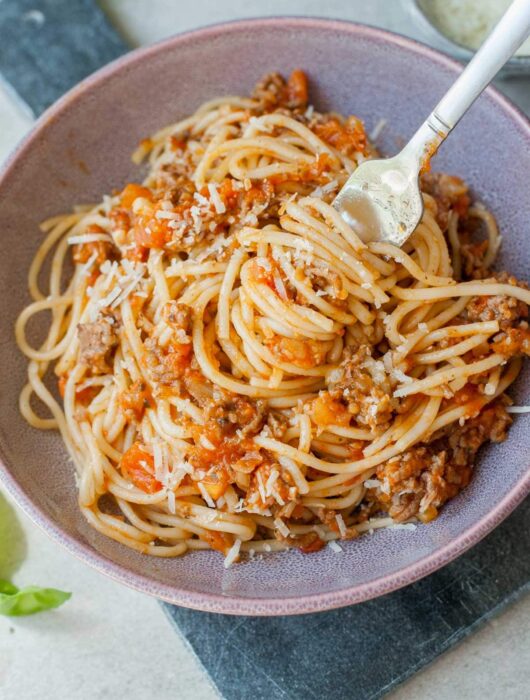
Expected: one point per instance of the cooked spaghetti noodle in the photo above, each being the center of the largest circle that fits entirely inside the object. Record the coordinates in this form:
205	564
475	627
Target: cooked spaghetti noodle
238	370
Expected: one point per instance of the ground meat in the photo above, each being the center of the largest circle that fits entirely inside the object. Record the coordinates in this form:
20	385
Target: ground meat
269	91
491	424
514	342
96	343
362	384
135	400
104	250
169	366
178	316
507	310
450	192
235	413
297	94
307	543
261	494
304	353
329	517
472	256
83	252
419	481
273	92
346	135
277	425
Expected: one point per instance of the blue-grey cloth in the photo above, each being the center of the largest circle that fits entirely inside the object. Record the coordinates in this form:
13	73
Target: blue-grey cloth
363	651
356	653
47	46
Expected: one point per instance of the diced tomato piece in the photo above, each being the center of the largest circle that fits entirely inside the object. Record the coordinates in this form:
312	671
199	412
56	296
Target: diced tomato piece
313	543
177	144
136	398
82	252
347	137
178	357
297	93
219	541
150	232
138	254
217	489
131	192
328	411
84	396
227	193
61	384
138	465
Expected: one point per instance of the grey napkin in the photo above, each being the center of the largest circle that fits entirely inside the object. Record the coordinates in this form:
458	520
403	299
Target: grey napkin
363	651
47	46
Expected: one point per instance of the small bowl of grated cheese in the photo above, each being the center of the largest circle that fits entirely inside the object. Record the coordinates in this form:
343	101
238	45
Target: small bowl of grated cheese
459	27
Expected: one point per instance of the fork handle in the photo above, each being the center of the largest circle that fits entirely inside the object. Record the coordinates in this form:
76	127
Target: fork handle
510	32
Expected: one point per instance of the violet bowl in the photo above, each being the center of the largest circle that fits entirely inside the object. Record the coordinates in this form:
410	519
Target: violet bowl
81	149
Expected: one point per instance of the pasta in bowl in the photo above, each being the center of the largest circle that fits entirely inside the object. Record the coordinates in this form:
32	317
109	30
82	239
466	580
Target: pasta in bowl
239	371
81	149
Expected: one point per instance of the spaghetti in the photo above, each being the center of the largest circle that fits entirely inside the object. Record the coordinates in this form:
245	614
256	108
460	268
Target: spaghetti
238	370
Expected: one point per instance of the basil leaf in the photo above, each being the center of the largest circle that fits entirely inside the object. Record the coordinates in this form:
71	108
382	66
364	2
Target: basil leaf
7	587
29	600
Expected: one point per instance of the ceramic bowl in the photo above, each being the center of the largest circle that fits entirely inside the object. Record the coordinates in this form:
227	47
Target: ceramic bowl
421	13
81	149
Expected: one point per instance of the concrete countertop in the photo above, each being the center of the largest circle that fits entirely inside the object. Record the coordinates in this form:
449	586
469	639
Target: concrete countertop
111	642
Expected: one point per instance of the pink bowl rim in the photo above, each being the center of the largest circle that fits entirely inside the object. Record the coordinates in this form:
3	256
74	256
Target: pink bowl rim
235	605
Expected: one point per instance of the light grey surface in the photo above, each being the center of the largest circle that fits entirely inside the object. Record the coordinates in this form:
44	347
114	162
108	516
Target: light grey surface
110	642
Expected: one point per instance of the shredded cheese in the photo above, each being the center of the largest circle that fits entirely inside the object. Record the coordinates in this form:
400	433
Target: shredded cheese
204	493
216	199
282	527
232	554
341	525
335	547
88	238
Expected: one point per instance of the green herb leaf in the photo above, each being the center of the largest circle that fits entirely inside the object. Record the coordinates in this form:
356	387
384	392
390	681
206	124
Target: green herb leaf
29	600
7	587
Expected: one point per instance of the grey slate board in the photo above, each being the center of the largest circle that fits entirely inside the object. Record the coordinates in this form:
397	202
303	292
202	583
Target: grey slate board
357	653
363	651
47	46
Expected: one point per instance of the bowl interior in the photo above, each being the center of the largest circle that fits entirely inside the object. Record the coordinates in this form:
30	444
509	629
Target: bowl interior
82	149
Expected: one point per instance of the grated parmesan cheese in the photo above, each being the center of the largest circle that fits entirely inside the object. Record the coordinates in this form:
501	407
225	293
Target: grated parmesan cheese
335	547
280	287
261	487
402	526
232	554
341	525
468	22
271	481
106	301
86	267
88	238
171	502
204	493
207	444
378	128
282	527
216	199
400	376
